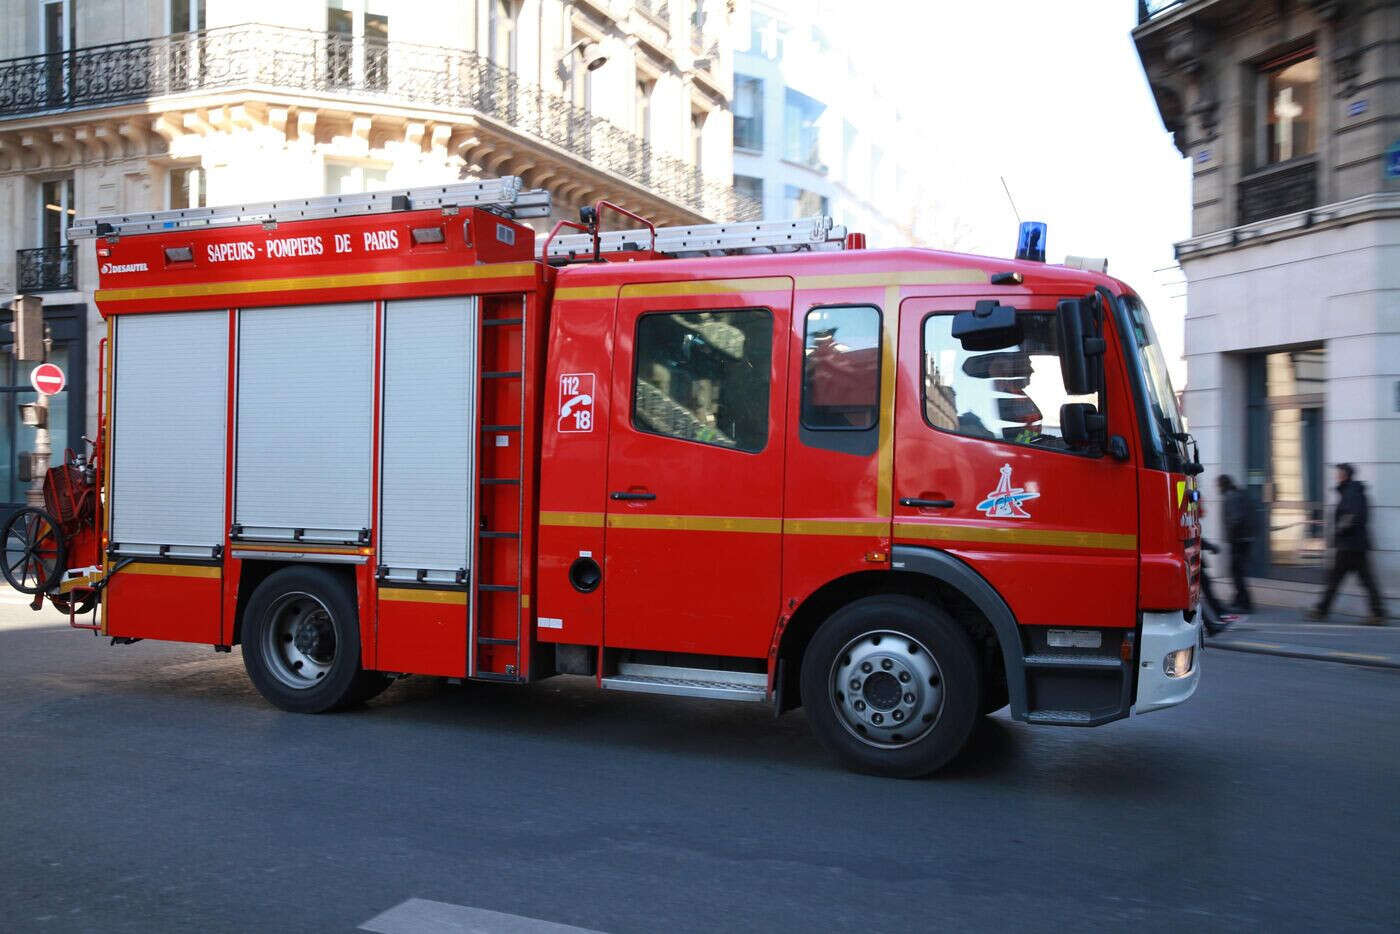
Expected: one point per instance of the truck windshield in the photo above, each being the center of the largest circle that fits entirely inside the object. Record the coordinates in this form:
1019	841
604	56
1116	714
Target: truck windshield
1166	425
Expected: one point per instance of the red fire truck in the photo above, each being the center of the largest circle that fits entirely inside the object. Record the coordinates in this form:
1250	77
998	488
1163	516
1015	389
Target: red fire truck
371	436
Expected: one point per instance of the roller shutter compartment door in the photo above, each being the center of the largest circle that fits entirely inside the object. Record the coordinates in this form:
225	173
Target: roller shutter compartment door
305	423
427	427
169	420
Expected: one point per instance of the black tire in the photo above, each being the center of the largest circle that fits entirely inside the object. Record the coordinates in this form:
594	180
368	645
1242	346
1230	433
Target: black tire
895	636
32	545
301	642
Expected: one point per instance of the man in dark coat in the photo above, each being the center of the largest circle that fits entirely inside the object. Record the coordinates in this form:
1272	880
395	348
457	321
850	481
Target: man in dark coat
1238	513
1351	536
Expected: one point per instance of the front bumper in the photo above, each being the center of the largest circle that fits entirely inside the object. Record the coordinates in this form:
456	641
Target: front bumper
1162	635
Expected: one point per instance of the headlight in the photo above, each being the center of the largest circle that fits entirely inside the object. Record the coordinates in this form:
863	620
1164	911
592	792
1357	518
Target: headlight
1178	664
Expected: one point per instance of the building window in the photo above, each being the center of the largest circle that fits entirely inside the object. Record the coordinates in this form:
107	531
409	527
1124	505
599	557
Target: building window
841	368
643	118
1289	111
697	139
501	31
799	202
343	30
703	376
187	16
801	139
187	188
347	179
748	113
749	186
1010	394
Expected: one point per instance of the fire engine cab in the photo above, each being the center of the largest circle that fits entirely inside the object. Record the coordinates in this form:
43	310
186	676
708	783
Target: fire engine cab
371	436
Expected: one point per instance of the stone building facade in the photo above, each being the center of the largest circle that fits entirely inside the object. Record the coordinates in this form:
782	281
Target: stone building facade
114	106
1289	111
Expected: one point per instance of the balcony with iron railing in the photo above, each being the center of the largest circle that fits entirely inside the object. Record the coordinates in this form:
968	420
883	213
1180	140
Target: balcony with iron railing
1286	188
47	269
274	58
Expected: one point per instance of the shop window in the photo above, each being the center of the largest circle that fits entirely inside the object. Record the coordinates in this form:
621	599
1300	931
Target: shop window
841	368
1011	394
704	376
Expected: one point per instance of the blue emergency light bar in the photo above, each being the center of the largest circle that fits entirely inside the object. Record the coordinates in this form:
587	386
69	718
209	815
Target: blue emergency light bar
1031	242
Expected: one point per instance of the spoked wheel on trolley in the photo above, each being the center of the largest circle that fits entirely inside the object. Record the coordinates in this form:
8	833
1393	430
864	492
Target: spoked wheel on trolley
34	554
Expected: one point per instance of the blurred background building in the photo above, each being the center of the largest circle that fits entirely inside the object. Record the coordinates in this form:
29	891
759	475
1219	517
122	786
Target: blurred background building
815	130
110	106
1289	111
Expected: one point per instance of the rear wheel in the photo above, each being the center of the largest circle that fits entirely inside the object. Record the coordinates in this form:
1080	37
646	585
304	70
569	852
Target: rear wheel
891	686
301	642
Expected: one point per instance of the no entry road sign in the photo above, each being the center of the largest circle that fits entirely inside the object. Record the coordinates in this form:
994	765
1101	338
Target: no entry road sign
46	378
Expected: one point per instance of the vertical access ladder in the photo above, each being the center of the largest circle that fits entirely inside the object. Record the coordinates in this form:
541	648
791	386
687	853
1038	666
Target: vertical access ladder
496	600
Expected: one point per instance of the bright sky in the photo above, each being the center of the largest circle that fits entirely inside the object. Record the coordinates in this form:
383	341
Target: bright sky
1050	95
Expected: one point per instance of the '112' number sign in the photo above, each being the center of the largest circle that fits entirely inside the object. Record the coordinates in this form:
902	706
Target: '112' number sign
576	402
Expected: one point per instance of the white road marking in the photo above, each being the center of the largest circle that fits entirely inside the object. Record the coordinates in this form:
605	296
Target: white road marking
422	916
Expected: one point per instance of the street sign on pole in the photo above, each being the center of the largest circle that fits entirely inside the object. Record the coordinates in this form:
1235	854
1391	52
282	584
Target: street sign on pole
47	379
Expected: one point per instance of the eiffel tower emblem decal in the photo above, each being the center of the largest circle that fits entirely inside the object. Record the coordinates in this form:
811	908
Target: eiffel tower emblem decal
1005	501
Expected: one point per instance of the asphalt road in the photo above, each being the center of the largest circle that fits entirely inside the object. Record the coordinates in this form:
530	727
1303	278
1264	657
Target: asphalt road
147	787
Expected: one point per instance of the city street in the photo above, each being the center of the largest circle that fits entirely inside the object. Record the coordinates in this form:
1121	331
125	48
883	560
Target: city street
147	787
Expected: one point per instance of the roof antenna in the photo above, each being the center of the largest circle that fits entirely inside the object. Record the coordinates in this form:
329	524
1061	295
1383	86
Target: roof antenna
1006	188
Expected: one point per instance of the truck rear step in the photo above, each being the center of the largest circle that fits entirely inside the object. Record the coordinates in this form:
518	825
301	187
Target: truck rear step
689	682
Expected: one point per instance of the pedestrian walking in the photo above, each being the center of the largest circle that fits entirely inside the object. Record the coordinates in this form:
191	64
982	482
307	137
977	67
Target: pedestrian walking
1351	540
1239	532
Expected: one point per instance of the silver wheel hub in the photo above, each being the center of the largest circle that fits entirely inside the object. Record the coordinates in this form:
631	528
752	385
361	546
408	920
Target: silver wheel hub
300	643
887	688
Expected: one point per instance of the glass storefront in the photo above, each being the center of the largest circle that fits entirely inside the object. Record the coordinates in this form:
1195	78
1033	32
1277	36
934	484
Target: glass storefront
66	409
1287	476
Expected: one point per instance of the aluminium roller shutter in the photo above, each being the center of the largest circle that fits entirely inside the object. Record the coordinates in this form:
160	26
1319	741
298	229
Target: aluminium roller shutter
427	429
305	423
168	430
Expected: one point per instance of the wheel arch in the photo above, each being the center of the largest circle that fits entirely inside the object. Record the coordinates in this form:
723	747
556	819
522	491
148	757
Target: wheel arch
254	571
927	574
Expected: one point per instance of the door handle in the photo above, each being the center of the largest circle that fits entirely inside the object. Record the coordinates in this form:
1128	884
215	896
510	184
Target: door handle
632	496
926	503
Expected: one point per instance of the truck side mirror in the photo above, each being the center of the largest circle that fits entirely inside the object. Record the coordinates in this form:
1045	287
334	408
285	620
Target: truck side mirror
1077	345
989	326
1081	424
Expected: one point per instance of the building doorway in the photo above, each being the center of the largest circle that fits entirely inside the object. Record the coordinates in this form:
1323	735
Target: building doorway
1286	468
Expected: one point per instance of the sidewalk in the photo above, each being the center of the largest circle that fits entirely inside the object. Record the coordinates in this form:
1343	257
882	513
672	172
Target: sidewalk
1286	631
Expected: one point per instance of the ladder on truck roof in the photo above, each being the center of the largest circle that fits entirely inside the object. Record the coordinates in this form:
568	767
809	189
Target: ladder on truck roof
808	233
506	195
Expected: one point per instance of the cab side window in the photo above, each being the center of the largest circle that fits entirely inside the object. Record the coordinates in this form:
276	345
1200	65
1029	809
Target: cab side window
1010	394
704	376
841	368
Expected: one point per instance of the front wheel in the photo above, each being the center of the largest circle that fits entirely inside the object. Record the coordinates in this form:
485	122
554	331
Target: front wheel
301	642
892	686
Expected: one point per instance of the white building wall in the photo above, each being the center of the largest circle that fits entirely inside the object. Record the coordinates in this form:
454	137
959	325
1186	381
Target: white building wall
1338	287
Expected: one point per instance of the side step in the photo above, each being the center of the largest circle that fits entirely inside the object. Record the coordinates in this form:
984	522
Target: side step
689	682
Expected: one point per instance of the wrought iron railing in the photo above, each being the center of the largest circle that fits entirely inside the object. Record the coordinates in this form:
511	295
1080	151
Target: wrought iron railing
274	57
47	269
1274	192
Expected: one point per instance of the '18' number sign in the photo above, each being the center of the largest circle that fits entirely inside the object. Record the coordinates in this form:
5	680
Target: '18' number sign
576	402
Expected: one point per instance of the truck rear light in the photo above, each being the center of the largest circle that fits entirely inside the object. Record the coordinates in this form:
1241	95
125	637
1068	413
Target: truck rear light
1074	638
1178	664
